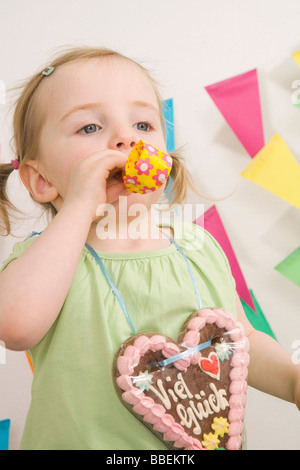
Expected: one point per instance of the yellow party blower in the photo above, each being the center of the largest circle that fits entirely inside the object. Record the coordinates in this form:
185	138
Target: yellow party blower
146	169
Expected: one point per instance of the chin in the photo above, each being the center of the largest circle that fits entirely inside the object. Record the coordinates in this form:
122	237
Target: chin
127	200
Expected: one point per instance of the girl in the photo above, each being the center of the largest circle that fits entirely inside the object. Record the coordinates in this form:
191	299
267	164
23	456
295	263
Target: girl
74	127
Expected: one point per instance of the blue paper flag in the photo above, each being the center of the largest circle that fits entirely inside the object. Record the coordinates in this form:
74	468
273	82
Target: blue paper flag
168	110
4	434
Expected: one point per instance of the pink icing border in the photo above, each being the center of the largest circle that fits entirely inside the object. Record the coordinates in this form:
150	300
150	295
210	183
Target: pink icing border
155	413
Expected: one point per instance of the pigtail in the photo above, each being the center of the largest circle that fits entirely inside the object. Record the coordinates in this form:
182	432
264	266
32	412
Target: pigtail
5	205
181	179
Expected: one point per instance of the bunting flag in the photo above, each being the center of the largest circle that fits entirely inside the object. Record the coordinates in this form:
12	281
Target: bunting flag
276	169
212	222
30	361
257	318
4	434
297	104
238	100
296	56
290	267
168	110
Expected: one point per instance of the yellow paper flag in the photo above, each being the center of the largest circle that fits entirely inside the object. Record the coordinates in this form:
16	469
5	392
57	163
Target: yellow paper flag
296	56
275	168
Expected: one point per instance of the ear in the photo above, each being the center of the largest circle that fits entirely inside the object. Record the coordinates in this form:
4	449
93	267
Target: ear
38	186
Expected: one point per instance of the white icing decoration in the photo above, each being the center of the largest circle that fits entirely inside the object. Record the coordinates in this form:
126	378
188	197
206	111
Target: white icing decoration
188	418
180	387
162	395
143	381
172	394
190	414
223	350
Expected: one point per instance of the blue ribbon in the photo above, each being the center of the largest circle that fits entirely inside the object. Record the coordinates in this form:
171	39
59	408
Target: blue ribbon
112	285
188	267
117	293
120	299
185	353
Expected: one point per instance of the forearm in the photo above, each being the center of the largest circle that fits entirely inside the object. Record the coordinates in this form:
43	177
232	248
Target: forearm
271	369
33	287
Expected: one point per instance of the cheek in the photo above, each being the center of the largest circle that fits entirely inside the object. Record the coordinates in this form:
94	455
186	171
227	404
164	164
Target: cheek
58	161
156	195
74	151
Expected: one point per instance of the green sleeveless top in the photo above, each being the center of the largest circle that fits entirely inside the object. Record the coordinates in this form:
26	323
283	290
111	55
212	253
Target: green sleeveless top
74	404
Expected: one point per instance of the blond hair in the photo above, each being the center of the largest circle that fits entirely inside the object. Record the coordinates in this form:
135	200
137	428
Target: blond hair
29	118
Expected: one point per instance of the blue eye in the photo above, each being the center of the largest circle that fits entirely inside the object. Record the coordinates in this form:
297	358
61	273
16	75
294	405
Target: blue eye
142	126
89	129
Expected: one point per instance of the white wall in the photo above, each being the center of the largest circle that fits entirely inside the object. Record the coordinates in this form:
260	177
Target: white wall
188	44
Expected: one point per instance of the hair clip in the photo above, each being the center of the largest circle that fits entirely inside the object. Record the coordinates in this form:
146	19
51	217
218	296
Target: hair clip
15	164
48	71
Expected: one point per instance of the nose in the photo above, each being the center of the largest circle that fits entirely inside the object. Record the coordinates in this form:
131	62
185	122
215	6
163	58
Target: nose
126	144
124	139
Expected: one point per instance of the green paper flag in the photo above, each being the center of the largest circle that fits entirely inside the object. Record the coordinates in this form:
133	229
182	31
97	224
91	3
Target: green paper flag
257	320
290	267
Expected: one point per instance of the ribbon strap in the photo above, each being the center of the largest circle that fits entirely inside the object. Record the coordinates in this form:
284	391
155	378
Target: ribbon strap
117	293
112	285
185	353
188	267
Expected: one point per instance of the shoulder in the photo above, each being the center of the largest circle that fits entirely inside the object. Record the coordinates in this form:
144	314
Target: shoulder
199	245
206	255
18	249
192	237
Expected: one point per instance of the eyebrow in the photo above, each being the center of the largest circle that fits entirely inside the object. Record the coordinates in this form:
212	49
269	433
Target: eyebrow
82	107
90	106
144	104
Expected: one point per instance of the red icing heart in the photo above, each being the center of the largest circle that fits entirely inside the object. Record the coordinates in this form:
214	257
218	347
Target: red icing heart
198	401
210	365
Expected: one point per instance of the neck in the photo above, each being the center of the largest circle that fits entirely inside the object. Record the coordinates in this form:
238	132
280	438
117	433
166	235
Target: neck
127	234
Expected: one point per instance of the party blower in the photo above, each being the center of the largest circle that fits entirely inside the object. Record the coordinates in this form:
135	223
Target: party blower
146	169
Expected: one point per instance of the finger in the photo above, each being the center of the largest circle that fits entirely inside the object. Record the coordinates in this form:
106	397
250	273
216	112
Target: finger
109	162
107	155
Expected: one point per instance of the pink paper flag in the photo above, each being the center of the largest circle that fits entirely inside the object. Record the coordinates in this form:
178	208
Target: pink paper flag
238	100
212	222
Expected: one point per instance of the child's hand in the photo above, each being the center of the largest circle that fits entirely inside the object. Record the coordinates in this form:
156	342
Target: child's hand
88	186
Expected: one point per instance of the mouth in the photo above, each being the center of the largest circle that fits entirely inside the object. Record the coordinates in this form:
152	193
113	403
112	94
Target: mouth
116	176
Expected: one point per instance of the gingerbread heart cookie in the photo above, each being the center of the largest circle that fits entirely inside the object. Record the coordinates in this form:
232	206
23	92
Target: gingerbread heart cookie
192	393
